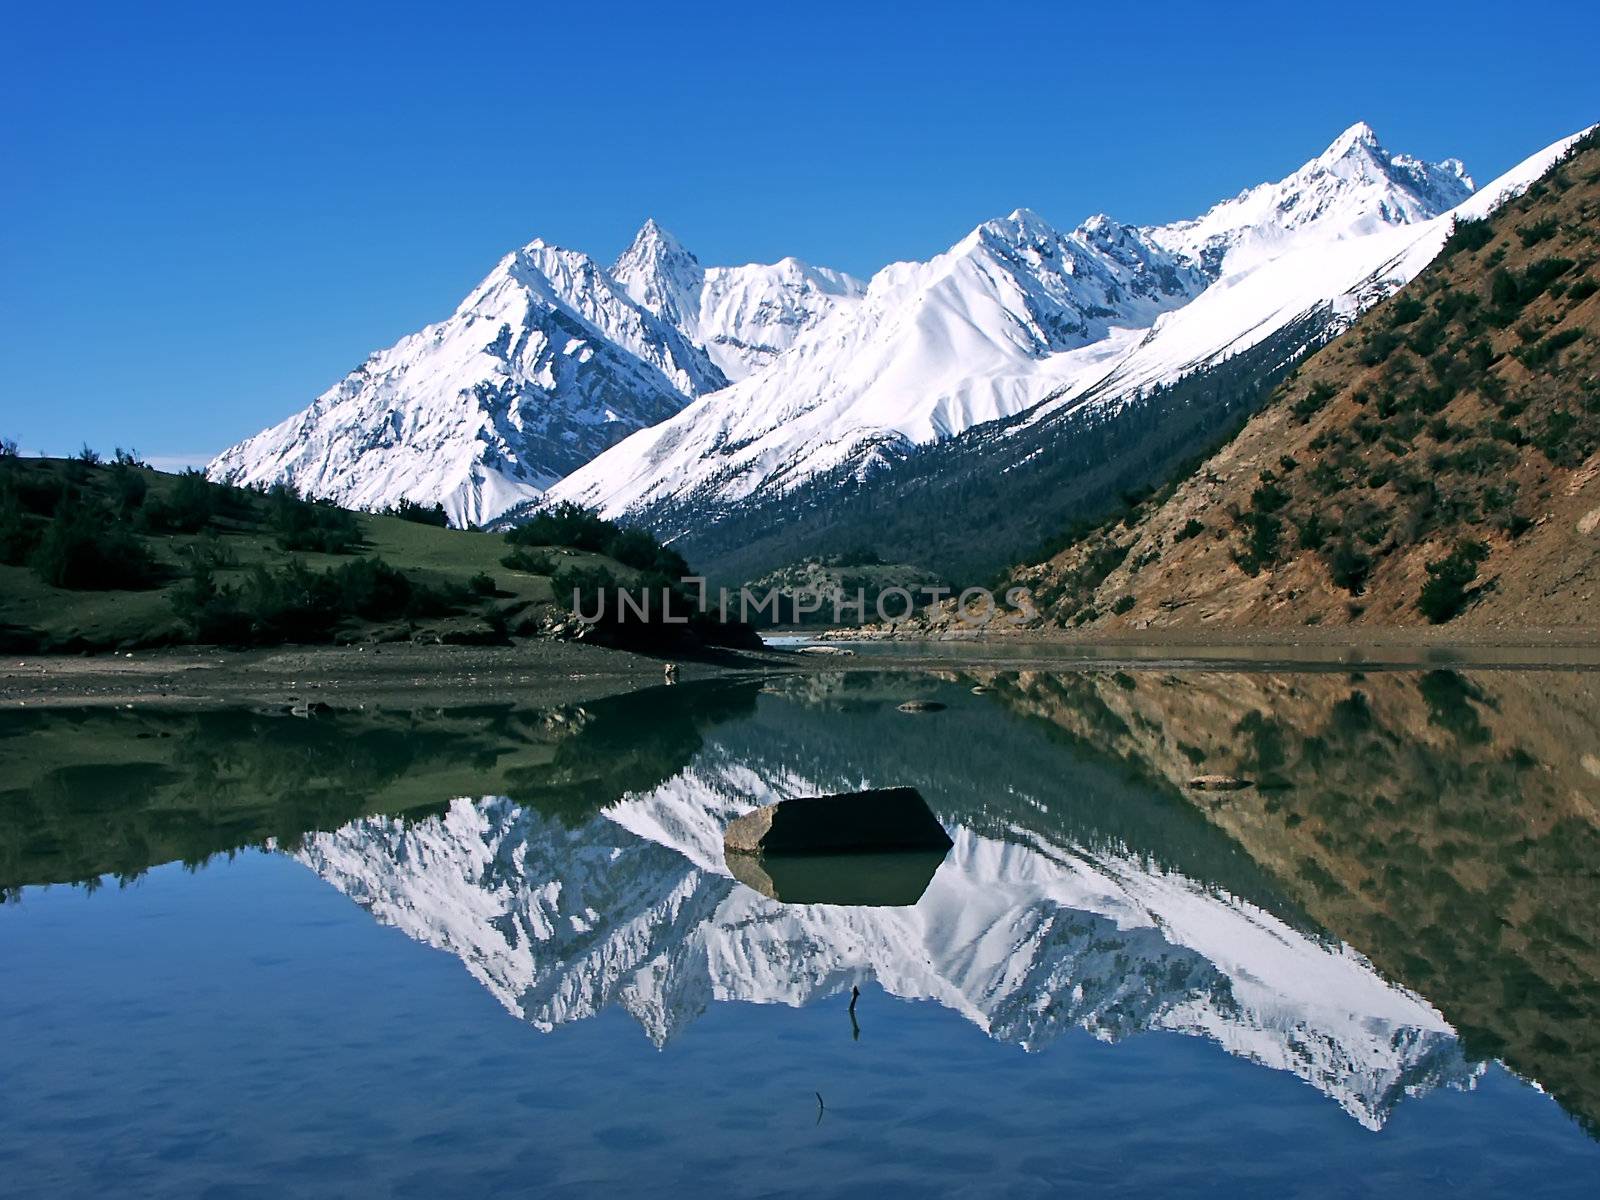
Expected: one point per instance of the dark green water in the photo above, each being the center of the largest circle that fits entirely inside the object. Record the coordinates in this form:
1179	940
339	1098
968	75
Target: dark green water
497	951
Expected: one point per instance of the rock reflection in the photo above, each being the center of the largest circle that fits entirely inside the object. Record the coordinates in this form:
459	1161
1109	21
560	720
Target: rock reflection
1034	925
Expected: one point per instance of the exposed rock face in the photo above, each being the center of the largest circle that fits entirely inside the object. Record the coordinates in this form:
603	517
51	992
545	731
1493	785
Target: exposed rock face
878	821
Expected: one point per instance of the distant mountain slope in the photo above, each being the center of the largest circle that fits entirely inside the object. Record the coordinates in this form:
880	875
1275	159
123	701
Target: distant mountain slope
1439	459
1019	318
796	377
546	363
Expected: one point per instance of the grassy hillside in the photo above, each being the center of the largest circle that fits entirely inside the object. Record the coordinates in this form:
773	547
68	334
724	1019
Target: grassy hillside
1436	463
98	556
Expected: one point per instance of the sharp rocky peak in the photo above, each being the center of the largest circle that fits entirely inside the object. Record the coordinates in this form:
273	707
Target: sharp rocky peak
654	245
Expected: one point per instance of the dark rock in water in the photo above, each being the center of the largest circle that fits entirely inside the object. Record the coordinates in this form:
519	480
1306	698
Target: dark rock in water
1218	783
878	821
895	880
921	706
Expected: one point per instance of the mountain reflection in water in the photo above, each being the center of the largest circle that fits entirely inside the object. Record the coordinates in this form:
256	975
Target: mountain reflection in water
1409	894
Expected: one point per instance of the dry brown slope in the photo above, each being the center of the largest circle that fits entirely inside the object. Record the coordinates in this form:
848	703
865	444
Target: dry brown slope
1463	410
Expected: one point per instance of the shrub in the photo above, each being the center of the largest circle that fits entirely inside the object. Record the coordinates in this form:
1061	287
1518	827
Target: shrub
1582	290
1123	604
210	613
1547	351
1405	310
1262	531
297	604
419	514
1540	275
1191	528
574	526
1315	400
371	589
188	506
128	487
1445	594
1269	497
83	549
531	561
18	534
1557	443
1378	347
1313	533
589	590
1538	231
565	524
1349	566
1469	236
311	525
482	584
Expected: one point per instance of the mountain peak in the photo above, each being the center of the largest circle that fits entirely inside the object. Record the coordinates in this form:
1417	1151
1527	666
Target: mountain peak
654	242
1360	135
1021	224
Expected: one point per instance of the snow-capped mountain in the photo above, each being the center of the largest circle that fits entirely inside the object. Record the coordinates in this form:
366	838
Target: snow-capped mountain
1024	937
1353	187
930	350
933	351
550	360
675	393
744	316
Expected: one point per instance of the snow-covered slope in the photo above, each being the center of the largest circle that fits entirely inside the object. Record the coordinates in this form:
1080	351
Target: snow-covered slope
930	350
933	351
1352	188
1024	937
1339	275
743	316
547	362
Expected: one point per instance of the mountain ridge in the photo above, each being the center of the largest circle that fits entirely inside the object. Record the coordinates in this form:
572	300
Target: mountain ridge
917	365
664	391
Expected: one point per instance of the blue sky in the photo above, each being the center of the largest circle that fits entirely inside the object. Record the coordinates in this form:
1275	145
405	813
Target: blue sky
211	212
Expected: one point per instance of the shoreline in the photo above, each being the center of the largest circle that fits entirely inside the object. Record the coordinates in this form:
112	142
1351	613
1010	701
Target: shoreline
542	673
546	673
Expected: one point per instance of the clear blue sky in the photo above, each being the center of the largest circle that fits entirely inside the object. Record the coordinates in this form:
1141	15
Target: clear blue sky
210	212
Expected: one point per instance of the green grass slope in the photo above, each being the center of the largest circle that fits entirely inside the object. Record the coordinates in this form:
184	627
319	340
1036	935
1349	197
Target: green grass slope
97	556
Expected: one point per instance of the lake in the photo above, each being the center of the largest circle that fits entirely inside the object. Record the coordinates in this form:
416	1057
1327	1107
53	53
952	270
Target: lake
498	951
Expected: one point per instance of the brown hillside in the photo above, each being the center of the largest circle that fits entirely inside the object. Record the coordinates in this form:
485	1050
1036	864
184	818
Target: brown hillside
1448	439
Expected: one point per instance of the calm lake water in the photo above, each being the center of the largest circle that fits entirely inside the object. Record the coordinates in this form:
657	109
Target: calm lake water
497	951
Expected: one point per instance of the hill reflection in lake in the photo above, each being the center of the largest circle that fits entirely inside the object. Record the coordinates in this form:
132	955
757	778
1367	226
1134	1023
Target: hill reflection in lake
1404	897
